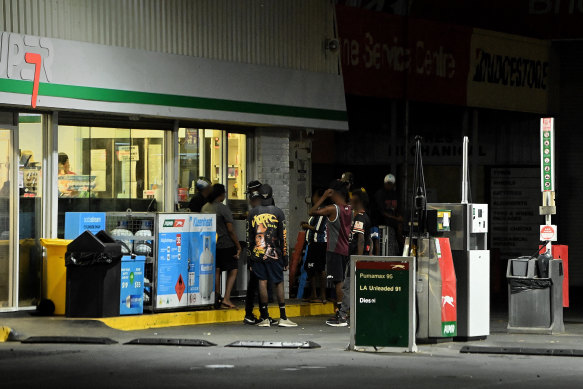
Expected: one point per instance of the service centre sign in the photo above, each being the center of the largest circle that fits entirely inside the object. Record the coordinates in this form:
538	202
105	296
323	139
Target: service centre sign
390	56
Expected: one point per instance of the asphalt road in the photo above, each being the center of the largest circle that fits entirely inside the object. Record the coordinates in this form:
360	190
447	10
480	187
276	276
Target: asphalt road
130	366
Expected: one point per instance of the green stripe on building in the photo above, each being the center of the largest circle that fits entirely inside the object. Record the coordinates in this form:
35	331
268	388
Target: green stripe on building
167	100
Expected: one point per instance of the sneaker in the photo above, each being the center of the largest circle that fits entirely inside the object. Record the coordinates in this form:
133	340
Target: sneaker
337	321
251	320
264	323
286	323
273	321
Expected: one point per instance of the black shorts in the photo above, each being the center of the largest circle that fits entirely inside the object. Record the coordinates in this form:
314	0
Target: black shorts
226	259
271	271
335	265
315	259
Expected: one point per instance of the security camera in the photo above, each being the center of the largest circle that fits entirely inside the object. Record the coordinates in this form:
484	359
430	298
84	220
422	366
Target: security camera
332	45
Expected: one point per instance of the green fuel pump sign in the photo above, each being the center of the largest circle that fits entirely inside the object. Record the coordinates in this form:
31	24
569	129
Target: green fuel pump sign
547	148
383	298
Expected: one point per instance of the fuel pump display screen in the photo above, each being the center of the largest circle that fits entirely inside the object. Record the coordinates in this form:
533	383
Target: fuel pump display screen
382	304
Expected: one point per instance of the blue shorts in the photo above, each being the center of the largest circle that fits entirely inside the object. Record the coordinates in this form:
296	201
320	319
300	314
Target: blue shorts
271	271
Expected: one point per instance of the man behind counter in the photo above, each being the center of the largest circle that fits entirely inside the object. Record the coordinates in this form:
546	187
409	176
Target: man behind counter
203	190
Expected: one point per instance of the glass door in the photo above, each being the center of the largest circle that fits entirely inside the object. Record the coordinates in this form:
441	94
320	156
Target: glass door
7	233
30	209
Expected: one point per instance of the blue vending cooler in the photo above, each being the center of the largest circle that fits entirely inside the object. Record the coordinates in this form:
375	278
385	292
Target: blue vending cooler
132	285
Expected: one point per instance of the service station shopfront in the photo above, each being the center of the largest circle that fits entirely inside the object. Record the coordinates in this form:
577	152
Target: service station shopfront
86	127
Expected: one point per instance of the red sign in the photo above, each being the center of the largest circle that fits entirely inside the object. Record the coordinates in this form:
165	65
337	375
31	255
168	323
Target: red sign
448	283
179	223
178	240
390	56
179	287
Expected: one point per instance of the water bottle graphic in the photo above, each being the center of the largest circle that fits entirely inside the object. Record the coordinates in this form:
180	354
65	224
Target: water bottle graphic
206	274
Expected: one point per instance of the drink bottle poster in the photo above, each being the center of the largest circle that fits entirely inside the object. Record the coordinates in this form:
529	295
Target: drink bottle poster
201	268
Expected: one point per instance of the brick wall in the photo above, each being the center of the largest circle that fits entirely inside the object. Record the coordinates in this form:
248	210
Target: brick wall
272	164
272	167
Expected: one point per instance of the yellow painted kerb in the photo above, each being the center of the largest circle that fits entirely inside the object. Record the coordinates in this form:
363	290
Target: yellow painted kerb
175	319
4	333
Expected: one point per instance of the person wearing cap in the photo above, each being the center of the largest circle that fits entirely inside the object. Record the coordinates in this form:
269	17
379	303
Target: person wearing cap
228	246
203	190
268	254
387	212
338	223
253	282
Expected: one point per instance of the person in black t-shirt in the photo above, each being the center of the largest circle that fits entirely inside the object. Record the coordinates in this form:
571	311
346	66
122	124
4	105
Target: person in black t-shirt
203	190
387	212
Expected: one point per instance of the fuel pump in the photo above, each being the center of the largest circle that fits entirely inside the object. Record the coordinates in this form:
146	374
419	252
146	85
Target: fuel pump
466	226
436	281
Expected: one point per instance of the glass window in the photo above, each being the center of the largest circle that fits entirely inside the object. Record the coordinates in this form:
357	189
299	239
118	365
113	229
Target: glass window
236	170
110	169
30	140
203	153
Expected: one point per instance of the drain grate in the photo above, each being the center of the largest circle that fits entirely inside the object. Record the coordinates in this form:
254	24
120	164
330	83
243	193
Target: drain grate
171	342
521	351
264	344
68	340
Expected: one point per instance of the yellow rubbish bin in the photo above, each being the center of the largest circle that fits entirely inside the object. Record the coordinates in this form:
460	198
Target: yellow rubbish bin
55	272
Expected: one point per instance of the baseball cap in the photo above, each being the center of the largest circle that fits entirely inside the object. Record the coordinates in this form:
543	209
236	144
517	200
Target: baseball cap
253	186
389	178
202	183
266	191
347	177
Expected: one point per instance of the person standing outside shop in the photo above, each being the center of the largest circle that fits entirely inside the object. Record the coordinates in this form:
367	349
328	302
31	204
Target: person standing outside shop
203	190
315	264
267	245
253	282
387	213
228	246
359	245
339	218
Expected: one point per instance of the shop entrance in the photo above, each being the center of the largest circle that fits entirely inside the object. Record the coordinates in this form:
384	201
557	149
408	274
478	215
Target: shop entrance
21	209
7	222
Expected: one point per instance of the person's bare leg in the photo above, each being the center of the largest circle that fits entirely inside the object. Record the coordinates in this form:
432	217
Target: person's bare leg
263	299
339	293
313	280
231	277
279	293
218	282
323	284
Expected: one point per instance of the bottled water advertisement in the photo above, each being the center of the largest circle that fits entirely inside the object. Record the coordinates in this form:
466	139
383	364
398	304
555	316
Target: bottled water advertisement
186	265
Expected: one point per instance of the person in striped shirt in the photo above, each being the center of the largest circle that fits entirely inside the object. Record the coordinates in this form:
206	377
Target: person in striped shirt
315	264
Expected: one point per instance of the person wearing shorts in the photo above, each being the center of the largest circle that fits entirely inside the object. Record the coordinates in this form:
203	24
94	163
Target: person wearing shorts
338	223
267	251
315	264
228	246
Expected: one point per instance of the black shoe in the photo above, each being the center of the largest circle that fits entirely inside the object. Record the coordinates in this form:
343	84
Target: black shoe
338	321
273	321
251	320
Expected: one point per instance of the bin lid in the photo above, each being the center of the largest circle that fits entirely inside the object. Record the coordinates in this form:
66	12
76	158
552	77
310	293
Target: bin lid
54	242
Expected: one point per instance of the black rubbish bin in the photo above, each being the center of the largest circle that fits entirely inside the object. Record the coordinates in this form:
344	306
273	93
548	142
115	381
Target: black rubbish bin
93	275
535	295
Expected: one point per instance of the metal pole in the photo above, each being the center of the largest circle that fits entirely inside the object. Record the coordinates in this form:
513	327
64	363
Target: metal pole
406	172
465	171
